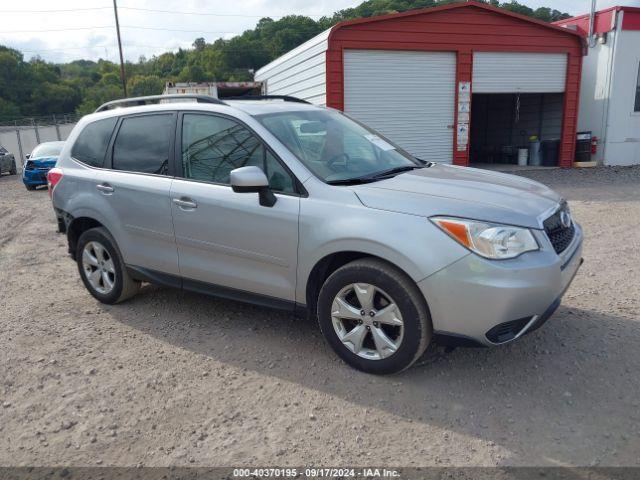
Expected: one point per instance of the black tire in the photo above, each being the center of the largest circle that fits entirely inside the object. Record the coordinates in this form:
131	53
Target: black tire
30	187
418	328
124	286
13	170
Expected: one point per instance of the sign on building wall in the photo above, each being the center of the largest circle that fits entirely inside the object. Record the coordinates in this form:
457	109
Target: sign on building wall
464	111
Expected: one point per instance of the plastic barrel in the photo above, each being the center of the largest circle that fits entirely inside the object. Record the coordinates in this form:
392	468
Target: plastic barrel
523	156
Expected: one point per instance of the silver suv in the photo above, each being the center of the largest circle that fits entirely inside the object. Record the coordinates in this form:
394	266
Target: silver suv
288	205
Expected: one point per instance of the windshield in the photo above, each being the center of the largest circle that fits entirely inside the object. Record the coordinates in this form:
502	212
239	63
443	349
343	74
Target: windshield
47	150
336	148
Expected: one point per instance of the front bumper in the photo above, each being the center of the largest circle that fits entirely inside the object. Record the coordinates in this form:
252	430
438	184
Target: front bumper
483	302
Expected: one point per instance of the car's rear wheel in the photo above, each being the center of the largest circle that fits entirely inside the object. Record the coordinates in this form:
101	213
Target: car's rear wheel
102	269
30	187
374	317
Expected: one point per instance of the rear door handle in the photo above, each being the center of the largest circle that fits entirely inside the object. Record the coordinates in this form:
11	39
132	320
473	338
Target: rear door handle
105	188
185	203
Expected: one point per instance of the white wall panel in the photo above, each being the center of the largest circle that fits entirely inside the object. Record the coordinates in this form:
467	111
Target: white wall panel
299	73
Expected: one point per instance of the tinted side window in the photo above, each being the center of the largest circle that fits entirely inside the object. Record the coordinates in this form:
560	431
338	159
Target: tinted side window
142	144
213	146
91	145
279	179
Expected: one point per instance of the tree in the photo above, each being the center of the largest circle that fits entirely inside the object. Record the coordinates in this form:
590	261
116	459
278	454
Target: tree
97	95
192	73
51	98
8	110
140	86
199	44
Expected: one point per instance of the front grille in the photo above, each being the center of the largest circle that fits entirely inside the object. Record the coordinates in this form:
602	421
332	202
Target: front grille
559	234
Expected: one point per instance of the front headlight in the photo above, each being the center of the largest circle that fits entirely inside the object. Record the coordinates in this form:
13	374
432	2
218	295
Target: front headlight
489	240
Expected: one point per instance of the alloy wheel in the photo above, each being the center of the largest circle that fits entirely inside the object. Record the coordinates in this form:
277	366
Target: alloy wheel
367	321
98	267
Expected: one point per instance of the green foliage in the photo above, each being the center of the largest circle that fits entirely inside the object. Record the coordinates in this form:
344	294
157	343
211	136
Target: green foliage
141	85
36	87
8	110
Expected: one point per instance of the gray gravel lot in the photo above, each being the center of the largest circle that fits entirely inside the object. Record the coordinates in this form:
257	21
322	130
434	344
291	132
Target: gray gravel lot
173	378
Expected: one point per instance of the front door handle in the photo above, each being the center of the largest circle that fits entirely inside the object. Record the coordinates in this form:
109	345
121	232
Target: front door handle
185	203
105	188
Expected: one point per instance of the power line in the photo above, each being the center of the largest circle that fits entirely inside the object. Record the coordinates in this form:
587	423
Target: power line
133	45
56	30
176	12
55	10
88	47
153	10
134	27
174	30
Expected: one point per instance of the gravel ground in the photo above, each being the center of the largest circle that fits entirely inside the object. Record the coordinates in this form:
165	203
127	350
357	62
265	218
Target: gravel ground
173	378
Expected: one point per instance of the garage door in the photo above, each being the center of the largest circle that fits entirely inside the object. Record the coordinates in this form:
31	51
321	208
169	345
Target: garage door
506	72
407	96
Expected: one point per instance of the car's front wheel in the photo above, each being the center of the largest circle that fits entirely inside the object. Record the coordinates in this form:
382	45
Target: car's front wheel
102	269
374	317
13	170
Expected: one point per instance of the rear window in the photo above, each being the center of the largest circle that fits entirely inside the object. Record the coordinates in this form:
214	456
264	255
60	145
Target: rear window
142	144
91	145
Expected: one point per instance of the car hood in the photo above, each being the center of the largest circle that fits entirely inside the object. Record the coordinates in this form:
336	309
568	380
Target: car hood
462	192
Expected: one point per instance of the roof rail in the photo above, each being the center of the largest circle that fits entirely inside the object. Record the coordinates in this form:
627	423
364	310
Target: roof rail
135	101
284	98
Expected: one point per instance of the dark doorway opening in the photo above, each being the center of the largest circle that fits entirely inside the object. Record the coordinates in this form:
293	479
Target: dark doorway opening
504	124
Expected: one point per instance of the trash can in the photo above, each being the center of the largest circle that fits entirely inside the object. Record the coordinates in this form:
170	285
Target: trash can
534	152
523	156
583	147
550	152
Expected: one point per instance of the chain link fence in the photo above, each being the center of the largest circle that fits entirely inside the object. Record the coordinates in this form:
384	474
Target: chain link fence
21	135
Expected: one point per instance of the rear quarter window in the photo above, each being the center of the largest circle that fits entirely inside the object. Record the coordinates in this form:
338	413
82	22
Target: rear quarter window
143	143
91	146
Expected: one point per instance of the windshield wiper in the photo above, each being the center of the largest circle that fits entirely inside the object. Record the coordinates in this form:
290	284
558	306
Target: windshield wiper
374	176
426	163
351	181
393	171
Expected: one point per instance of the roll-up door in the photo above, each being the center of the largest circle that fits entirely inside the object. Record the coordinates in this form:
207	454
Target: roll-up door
407	96
510	72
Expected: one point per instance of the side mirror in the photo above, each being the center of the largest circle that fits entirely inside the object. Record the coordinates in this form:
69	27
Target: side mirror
253	180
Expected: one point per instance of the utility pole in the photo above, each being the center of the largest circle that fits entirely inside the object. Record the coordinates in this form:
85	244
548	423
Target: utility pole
122	73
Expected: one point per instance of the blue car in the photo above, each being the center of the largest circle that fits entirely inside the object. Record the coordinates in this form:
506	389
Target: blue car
42	159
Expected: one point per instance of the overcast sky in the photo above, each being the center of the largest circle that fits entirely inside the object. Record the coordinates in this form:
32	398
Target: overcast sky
65	30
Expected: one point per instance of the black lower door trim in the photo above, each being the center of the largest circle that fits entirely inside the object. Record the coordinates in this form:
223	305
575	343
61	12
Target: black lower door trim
175	281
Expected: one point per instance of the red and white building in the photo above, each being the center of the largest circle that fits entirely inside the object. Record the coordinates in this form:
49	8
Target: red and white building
610	97
461	83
